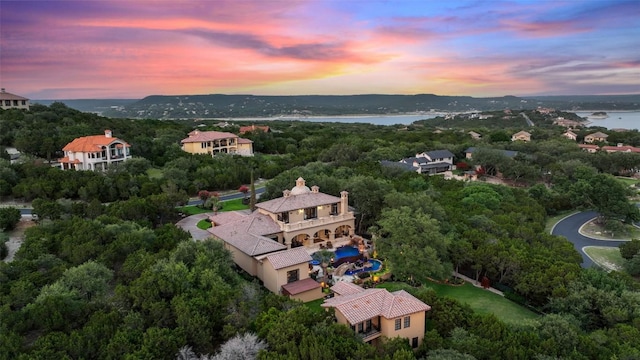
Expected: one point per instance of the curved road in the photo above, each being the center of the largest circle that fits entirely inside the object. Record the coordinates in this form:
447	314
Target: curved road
569	228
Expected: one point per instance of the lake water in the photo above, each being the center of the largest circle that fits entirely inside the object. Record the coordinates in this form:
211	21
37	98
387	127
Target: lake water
374	119
617	119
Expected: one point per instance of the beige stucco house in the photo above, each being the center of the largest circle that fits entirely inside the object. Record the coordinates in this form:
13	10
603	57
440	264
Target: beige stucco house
376	314
274	241
521	136
96	152
596	137
570	135
215	142
12	101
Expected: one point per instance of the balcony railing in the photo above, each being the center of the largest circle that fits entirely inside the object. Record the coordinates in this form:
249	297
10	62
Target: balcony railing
370	334
316	222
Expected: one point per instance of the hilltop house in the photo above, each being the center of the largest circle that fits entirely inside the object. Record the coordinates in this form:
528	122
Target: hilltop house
250	128
521	135
474	135
12	101
590	148
596	137
96	152
430	162
570	135
375	314
274	241
215	142
620	148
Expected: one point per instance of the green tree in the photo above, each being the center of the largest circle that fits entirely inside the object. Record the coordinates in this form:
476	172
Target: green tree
9	218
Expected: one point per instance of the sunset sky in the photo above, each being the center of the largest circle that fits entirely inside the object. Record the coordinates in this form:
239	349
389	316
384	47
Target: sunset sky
130	49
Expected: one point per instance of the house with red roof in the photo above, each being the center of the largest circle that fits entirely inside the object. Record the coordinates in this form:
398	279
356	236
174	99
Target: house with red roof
377	314
95	152
250	128
216	142
273	243
12	101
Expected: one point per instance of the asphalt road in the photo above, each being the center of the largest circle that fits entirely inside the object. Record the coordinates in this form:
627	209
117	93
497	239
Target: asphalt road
569	226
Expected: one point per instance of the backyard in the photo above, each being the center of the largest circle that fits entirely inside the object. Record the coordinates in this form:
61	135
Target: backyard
480	300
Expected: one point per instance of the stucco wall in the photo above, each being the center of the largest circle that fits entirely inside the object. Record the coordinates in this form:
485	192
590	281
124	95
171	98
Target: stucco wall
246	262
416	328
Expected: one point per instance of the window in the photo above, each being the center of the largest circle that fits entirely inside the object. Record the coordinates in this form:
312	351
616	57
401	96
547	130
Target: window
310	213
334	209
407	321
398	324
203	145
292	276
24	102
360	327
368	325
7	102
284	217
414	342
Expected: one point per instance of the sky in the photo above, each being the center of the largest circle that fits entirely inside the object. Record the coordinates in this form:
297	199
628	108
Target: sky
60	49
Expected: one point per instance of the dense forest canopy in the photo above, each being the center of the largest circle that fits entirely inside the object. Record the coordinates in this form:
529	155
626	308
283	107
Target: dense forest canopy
107	275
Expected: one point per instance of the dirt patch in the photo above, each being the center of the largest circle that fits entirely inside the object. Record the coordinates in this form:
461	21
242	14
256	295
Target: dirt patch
16	237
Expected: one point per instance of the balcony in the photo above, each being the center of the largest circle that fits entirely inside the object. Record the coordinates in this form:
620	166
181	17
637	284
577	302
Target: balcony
369	334
305	224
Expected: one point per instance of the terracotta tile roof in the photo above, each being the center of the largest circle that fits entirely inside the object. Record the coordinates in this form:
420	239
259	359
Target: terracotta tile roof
9	96
226	217
295	202
202	136
364	305
300	286
289	257
244	141
598	135
66	160
247	234
92	143
588	146
346	288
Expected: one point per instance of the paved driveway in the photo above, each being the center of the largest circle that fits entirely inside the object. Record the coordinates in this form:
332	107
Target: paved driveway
190	224
569	228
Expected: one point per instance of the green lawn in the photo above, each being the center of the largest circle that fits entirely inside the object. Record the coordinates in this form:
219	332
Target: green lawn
480	300
315	305
203	224
607	257
233	205
627	181
192	210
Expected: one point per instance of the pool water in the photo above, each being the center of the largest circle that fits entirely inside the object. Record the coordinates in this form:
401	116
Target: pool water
341	252
376	265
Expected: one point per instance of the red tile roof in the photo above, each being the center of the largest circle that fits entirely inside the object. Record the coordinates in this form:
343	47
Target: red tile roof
300	286
369	303
244	129
624	148
66	160
289	257
247	234
244	141
91	143
203	136
9	96
346	288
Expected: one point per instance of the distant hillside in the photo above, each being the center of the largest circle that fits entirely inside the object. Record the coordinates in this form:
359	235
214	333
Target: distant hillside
98	106
235	106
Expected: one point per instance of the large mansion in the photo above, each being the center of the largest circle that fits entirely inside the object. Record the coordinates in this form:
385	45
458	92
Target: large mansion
96	152
274	242
12	101
215	142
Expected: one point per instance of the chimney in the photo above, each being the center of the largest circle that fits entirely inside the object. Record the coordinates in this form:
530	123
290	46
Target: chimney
315	189
286	193
344	202
3	90
107	133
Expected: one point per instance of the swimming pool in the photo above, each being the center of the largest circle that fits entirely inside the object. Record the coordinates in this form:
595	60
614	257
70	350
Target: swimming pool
375	266
341	255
